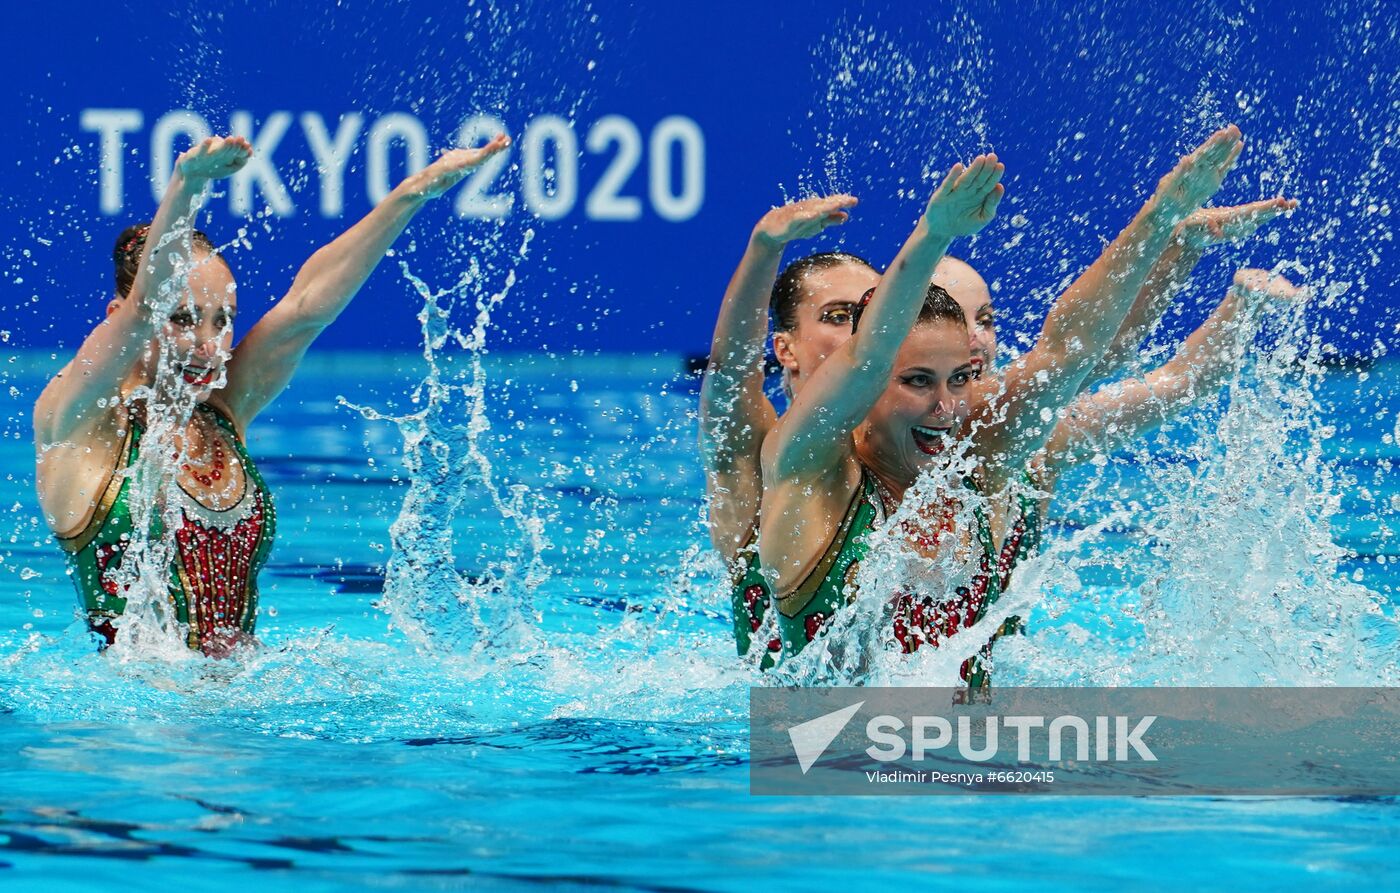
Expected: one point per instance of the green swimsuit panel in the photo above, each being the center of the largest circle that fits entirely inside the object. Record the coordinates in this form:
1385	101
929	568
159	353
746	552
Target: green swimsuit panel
802	612
218	554
917	621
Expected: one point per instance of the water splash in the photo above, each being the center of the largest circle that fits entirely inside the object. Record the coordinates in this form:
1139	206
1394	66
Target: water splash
1237	579
149	632
437	605
931	100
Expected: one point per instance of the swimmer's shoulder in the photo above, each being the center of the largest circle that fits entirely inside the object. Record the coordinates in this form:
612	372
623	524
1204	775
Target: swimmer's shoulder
71	473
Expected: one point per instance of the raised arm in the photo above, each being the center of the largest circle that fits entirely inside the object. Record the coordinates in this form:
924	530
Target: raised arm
107	355
1202	230
1010	423
815	433
265	360
1124	411
734	413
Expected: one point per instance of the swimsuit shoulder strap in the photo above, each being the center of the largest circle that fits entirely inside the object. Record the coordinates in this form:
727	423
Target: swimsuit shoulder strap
845	547
1028	520
984	524
221	418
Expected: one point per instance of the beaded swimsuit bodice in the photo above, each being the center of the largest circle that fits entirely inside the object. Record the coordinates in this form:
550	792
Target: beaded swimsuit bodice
217	553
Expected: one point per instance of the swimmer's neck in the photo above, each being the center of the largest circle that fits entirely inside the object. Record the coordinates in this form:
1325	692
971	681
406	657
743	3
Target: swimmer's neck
892	487
892	483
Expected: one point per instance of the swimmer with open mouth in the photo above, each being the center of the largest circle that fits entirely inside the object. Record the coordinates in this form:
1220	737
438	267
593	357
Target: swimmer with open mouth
736	415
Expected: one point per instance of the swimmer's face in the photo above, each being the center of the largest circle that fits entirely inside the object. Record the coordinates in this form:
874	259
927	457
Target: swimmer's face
823	319
925	404
198	334
970	290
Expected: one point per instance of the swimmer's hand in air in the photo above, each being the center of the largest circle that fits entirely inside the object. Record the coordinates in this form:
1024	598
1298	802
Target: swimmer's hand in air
1213	226
268	356
1197	176
1262	285
967	198
452	167
213	158
802	220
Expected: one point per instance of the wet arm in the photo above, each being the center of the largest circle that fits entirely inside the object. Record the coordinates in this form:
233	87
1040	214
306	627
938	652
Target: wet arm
1167	276
268	356
1088	316
734	412
1124	411
1203	229
735	415
110	351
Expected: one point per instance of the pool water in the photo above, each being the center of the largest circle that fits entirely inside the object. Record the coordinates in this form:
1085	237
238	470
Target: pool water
605	742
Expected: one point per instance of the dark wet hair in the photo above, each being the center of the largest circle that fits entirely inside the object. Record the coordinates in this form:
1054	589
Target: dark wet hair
788	290
939	306
126	254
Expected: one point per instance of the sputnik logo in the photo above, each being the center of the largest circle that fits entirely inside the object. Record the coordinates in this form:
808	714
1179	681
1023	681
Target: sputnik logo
811	738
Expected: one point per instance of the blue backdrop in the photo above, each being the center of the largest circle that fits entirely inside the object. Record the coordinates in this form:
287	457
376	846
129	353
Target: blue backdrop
650	137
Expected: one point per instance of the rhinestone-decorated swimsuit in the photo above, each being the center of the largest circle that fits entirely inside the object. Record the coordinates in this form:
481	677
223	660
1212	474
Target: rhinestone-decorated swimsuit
922	619
218	553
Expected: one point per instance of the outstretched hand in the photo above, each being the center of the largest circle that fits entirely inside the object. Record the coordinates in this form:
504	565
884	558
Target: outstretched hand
802	220
453	166
1198	176
1263	285
1212	226
967	198
214	158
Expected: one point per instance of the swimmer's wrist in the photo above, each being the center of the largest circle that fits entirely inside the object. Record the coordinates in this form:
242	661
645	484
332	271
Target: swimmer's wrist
413	193
765	243
1248	297
1166	216
188	185
929	230
1190	236
926	238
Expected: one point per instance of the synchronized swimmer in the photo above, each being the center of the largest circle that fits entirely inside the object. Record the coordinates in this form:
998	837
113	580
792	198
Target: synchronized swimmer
167	340
889	376
857	435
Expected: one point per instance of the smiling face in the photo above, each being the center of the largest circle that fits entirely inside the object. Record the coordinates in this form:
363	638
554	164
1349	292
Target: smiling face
970	290
198	333
823	318
924	405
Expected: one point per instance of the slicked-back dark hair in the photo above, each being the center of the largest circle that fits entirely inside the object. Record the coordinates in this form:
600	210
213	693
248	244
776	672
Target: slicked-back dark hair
788	290
938	306
126	254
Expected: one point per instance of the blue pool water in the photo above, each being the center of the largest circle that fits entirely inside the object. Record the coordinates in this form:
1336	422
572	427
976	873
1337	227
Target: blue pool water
605	745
